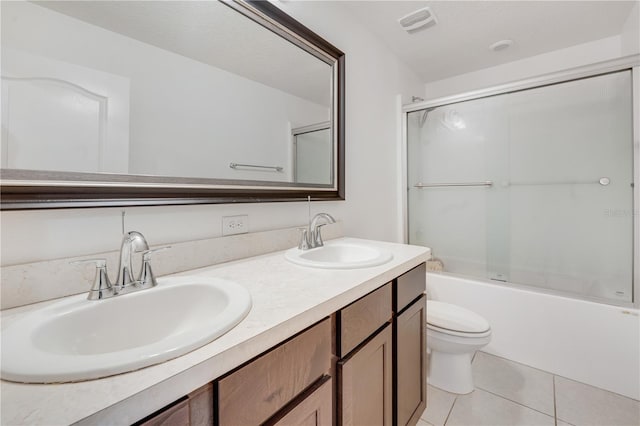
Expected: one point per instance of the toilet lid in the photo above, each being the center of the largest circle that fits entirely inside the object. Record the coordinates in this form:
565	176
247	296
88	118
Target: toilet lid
455	318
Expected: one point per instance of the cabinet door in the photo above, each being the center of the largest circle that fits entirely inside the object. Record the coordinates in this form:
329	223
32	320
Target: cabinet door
411	358
314	410
201	406
365	383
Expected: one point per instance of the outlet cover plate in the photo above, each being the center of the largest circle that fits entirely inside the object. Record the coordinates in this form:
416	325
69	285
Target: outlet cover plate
235	224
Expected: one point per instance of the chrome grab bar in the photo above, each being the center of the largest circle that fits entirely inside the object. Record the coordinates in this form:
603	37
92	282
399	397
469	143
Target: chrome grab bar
604	181
236	165
440	185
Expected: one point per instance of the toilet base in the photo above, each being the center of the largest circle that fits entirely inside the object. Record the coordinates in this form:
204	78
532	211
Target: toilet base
451	372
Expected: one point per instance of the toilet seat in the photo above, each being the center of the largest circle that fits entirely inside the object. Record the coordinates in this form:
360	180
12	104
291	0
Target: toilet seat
455	320
458	333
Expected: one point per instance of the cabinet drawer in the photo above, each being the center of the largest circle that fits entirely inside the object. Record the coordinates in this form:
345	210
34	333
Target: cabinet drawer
176	415
409	286
255	392
196	409
362	318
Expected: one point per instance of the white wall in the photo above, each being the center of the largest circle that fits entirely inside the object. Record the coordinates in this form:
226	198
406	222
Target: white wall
374	78
630	37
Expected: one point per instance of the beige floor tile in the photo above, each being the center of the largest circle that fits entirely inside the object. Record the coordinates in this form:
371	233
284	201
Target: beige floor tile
517	382
439	404
481	408
584	405
423	423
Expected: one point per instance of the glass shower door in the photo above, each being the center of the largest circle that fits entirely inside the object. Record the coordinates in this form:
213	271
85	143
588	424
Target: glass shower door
453	151
532	187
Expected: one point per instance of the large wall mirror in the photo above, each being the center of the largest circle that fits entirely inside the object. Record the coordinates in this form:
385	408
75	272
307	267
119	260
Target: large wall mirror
115	103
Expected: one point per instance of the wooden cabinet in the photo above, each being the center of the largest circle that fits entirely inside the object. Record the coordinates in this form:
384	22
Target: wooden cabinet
255	392
364	342
365	383
410	355
196	409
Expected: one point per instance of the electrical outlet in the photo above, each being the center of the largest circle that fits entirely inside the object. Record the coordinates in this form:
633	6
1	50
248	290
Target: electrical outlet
235	224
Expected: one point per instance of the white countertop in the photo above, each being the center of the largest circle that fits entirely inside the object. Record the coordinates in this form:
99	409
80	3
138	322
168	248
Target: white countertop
286	299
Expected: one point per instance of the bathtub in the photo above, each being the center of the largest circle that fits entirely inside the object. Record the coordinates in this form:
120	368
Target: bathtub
589	342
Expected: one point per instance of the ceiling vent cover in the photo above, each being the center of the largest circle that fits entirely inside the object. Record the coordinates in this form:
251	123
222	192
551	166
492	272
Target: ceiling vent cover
418	20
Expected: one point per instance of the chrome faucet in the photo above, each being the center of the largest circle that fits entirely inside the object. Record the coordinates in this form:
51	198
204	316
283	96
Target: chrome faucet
311	236
103	288
132	242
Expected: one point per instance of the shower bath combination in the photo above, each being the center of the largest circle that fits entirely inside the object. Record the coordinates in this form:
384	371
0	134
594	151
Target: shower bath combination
514	187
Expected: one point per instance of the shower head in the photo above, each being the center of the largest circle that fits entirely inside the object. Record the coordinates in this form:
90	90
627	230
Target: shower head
426	112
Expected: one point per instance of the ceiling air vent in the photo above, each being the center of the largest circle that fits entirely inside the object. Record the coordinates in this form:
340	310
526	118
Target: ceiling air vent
418	20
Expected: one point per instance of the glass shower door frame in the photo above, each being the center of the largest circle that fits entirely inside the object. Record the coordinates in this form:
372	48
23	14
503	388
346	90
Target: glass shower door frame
631	63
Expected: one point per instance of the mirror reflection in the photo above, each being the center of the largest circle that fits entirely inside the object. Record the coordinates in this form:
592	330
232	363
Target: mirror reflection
161	88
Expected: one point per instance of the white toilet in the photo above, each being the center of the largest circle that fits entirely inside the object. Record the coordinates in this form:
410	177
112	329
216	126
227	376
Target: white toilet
454	334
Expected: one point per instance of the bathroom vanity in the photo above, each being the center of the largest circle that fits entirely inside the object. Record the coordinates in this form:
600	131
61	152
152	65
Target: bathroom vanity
367	360
319	346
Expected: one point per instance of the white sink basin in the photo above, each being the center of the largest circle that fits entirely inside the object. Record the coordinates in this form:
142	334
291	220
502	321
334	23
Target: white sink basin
339	255
78	339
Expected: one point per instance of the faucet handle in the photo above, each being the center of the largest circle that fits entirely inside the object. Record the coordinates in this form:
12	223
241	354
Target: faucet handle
99	262
146	254
303	244
317	235
102	287
146	278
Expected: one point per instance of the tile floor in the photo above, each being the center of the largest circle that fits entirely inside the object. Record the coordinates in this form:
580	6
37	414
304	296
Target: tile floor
511	394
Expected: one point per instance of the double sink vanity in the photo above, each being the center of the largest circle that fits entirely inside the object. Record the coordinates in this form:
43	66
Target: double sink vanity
253	341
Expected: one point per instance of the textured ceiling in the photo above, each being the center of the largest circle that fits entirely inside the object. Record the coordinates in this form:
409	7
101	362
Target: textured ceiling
212	33
459	43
